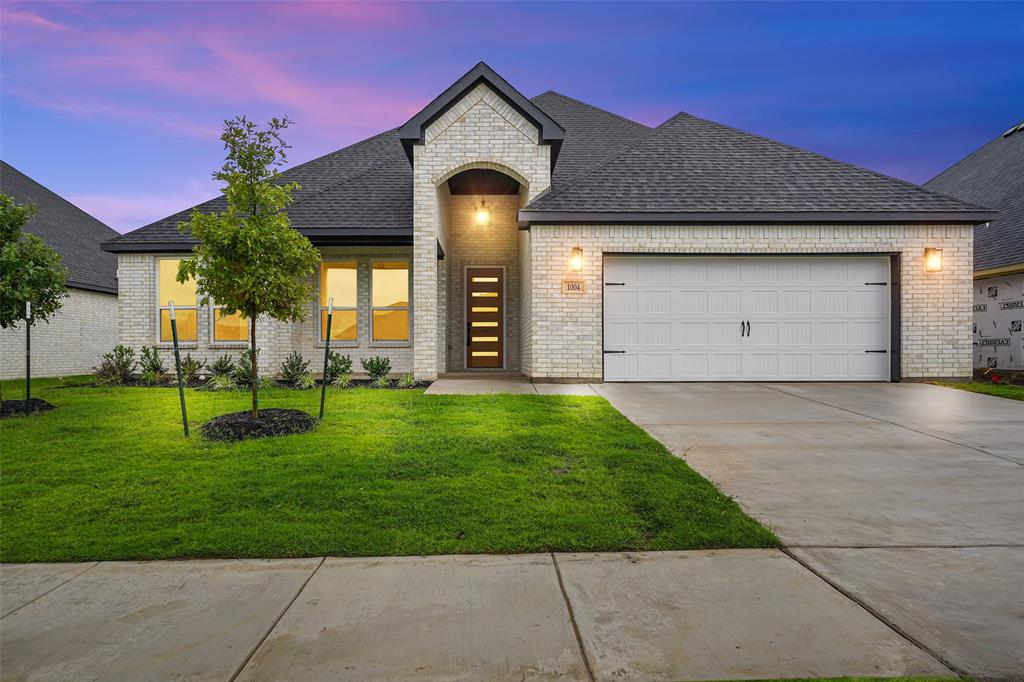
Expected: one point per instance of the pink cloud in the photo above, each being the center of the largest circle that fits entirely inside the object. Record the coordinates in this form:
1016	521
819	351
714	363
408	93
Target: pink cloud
29	19
127	212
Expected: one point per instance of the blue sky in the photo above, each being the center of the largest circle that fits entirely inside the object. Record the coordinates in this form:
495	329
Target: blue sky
117	105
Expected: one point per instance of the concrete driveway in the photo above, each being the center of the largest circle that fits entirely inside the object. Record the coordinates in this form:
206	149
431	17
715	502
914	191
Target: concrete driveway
908	498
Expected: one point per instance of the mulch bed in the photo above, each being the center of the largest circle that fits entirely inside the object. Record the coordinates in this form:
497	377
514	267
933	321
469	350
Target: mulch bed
20	408
271	422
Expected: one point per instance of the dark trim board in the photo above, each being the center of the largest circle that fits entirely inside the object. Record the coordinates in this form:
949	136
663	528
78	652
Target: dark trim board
895	319
529	217
331	237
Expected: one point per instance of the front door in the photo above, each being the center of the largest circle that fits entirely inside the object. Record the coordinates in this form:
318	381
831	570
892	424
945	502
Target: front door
485	318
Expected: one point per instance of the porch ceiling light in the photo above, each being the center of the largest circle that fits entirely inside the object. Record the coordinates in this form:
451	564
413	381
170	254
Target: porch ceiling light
932	260
483	214
576	259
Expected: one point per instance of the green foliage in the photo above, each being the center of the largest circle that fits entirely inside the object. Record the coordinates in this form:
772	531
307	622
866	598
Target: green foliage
221	382
152	377
244	374
306	381
151	362
190	368
294	367
343	380
30	270
406	381
117	366
248	258
337	364
380	382
223	366
377	367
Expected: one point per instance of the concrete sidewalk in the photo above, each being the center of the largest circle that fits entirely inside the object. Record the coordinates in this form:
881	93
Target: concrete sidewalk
736	614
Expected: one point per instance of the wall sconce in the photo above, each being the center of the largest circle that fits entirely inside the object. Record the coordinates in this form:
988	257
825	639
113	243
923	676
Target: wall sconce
932	260
483	214
576	259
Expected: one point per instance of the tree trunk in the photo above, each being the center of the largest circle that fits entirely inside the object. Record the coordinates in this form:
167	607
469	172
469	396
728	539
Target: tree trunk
255	372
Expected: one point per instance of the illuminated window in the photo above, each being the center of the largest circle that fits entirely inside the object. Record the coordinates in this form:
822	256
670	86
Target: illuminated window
228	328
184	297
389	304
338	281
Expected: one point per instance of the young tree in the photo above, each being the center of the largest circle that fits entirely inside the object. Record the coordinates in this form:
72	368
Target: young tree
249	259
30	273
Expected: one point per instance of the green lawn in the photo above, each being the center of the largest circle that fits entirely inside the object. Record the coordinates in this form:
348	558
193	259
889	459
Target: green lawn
108	475
1012	391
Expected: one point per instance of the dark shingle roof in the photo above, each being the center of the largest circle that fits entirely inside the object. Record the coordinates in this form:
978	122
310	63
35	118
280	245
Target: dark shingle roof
689	165
992	176
72	232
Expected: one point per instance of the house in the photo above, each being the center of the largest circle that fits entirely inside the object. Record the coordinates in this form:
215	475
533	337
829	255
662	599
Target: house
994	176
549	237
73	340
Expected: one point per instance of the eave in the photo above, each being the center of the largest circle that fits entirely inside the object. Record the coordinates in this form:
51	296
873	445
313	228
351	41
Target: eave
529	217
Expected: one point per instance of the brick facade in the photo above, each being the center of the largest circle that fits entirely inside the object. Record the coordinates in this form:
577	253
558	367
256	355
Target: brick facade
565	331
72	342
137	316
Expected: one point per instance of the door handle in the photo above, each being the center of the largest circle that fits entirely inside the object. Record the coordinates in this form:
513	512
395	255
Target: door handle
742	330
748	329
469	331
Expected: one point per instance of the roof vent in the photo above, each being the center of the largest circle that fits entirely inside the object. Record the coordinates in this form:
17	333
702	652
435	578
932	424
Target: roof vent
1015	129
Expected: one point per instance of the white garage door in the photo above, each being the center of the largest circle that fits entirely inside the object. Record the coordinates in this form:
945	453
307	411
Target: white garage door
675	318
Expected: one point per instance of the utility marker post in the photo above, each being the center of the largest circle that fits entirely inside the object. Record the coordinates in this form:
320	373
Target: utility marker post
327	353
28	352
177	368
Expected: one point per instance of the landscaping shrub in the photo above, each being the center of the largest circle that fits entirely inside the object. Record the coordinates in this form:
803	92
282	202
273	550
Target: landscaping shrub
380	382
221	382
117	366
153	378
343	380
406	381
377	367
294	368
243	370
151	362
337	364
223	366
190	369
306	381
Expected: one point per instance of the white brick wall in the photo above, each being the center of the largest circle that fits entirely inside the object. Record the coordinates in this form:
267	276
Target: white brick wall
480	131
138	318
72	342
565	331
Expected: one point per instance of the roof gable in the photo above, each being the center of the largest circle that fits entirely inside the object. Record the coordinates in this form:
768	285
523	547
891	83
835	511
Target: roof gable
692	169
413	131
69	230
992	176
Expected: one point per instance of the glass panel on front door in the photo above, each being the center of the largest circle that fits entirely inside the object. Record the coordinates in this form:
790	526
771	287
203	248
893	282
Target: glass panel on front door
485	318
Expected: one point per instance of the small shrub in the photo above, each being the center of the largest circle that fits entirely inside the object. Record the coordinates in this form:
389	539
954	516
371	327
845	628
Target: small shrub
294	368
377	368
337	364
151	362
117	366
306	381
221	382
243	370
153	378
380	382
190	368
223	366
343	380
406	381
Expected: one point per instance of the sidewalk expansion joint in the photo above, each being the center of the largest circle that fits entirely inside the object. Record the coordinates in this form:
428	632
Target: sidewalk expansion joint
55	587
572	619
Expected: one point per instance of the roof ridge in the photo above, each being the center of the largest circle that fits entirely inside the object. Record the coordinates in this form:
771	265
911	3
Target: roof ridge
595	108
906	183
595	169
963	159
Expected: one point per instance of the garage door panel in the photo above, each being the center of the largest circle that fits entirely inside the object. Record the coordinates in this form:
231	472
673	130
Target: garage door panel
747	318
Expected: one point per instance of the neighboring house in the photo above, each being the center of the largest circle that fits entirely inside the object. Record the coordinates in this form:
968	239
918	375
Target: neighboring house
553	238
994	176
76	337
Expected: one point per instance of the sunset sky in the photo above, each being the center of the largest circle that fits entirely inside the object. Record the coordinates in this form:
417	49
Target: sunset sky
117	106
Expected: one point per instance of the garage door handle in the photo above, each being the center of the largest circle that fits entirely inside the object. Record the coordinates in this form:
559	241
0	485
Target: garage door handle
876	351
615	351
615	284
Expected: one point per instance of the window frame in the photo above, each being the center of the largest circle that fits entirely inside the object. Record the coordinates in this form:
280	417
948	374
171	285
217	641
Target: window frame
160	308
213	331
321	308
392	343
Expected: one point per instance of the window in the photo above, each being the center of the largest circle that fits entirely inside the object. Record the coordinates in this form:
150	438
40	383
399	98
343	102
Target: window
338	281
184	298
229	328
389	313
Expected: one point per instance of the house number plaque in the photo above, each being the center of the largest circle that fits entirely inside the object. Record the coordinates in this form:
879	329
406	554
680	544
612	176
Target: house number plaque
574	286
